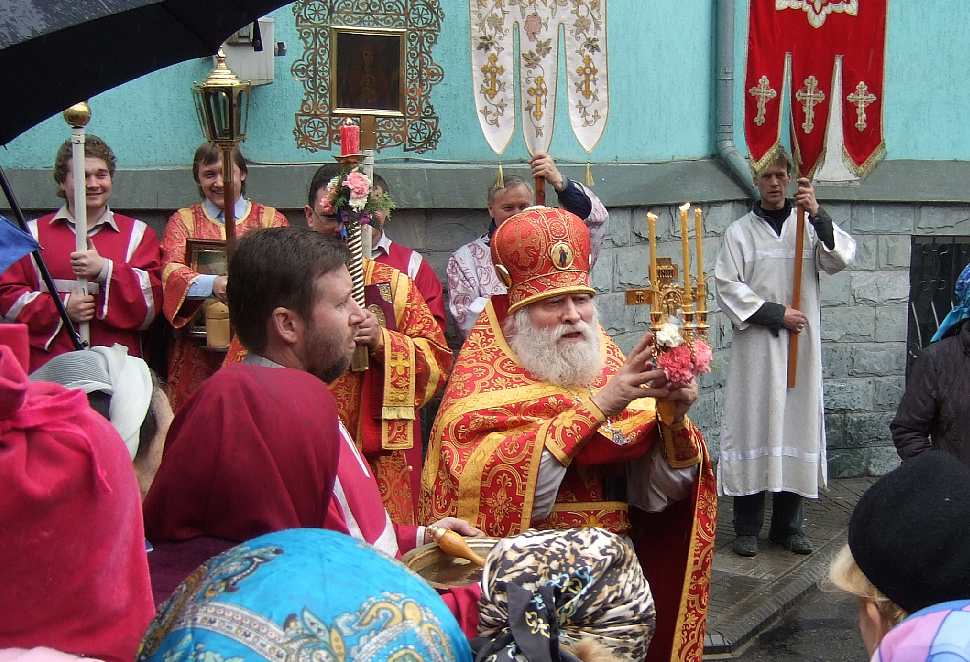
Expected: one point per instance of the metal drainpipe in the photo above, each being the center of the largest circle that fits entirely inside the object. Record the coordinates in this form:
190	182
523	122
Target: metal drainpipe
724	129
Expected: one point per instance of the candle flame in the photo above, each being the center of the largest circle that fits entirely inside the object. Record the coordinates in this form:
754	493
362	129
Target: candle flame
684	207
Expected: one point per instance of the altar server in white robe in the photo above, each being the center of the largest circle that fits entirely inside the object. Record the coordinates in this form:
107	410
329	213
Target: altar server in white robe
773	438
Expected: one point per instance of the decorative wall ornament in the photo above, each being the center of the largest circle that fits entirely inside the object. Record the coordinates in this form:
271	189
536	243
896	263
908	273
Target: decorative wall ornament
317	120
818	10
493	61
831	67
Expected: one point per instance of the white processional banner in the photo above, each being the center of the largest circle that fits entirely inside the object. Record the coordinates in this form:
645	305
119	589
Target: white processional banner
493	25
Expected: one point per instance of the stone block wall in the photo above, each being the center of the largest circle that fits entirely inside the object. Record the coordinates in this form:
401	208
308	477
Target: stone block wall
864	313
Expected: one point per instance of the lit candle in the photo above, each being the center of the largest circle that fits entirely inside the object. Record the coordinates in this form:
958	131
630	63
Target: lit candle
699	242
349	138
652	239
685	247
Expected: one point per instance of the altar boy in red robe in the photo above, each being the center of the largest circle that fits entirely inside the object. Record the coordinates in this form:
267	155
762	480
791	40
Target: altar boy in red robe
121	265
185	289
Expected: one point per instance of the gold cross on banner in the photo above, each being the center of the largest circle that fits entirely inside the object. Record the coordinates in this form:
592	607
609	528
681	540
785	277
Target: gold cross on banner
588	72
810	96
491	71
861	98
765	93
538	92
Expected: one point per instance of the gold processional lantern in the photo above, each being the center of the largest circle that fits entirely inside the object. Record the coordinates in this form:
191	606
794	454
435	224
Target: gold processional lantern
222	103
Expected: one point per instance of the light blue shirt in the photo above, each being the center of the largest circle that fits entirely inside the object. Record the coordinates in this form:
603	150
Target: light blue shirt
201	287
239	210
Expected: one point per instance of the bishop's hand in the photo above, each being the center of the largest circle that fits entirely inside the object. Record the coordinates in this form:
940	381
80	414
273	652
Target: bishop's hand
638	378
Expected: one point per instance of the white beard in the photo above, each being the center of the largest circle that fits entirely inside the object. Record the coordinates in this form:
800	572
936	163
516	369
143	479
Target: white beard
569	364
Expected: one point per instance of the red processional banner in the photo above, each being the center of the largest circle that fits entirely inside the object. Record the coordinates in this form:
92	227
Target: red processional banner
802	44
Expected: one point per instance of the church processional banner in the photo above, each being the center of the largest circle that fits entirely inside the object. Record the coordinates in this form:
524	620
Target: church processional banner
493	60
822	51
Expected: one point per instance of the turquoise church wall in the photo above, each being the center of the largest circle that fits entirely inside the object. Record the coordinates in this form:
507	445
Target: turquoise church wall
661	94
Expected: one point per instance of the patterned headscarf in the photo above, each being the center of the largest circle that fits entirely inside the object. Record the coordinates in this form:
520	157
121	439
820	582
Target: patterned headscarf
961	307
304	594
940	632
543	589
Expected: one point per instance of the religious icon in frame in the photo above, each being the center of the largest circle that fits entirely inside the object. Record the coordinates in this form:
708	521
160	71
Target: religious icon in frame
367	71
205	256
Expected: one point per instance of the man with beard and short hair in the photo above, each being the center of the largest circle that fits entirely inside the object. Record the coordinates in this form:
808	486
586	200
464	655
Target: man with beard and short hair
255	471
544	420
409	362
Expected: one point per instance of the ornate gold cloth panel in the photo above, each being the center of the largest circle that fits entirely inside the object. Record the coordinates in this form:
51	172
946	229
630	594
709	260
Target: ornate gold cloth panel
317	126
379	406
492	51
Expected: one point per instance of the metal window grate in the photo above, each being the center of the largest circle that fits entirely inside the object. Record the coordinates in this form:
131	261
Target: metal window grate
934	267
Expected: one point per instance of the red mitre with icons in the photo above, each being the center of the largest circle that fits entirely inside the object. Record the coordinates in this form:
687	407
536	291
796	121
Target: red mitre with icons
541	253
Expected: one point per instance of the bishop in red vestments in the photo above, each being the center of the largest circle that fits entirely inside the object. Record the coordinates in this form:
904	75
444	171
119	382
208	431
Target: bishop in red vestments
544	422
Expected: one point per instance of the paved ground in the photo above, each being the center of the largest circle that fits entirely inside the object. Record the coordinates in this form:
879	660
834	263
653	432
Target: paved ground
820	627
749	596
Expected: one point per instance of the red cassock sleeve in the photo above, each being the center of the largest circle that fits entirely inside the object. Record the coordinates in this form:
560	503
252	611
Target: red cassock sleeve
130	297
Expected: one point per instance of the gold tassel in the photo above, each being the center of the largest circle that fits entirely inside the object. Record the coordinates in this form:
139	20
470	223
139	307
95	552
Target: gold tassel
500	179
589	174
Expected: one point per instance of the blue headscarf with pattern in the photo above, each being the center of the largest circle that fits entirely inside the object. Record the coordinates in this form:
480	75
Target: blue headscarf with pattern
961	308
304	594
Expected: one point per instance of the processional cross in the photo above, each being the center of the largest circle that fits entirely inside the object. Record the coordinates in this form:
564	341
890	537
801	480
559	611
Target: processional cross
764	93
492	70
861	98
810	96
588	72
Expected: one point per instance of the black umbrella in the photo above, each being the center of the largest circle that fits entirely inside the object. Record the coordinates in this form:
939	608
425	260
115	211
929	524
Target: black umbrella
54	53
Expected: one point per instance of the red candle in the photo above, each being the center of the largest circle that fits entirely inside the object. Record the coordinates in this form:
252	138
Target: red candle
349	139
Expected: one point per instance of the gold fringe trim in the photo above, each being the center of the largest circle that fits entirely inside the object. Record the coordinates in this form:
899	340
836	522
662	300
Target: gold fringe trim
866	168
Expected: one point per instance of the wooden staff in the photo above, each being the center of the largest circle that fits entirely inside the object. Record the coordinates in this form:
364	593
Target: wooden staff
541	191
228	199
796	295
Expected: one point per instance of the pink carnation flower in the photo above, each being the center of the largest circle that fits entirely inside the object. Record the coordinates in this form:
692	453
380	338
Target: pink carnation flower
684	362
358	184
702	357
677	364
